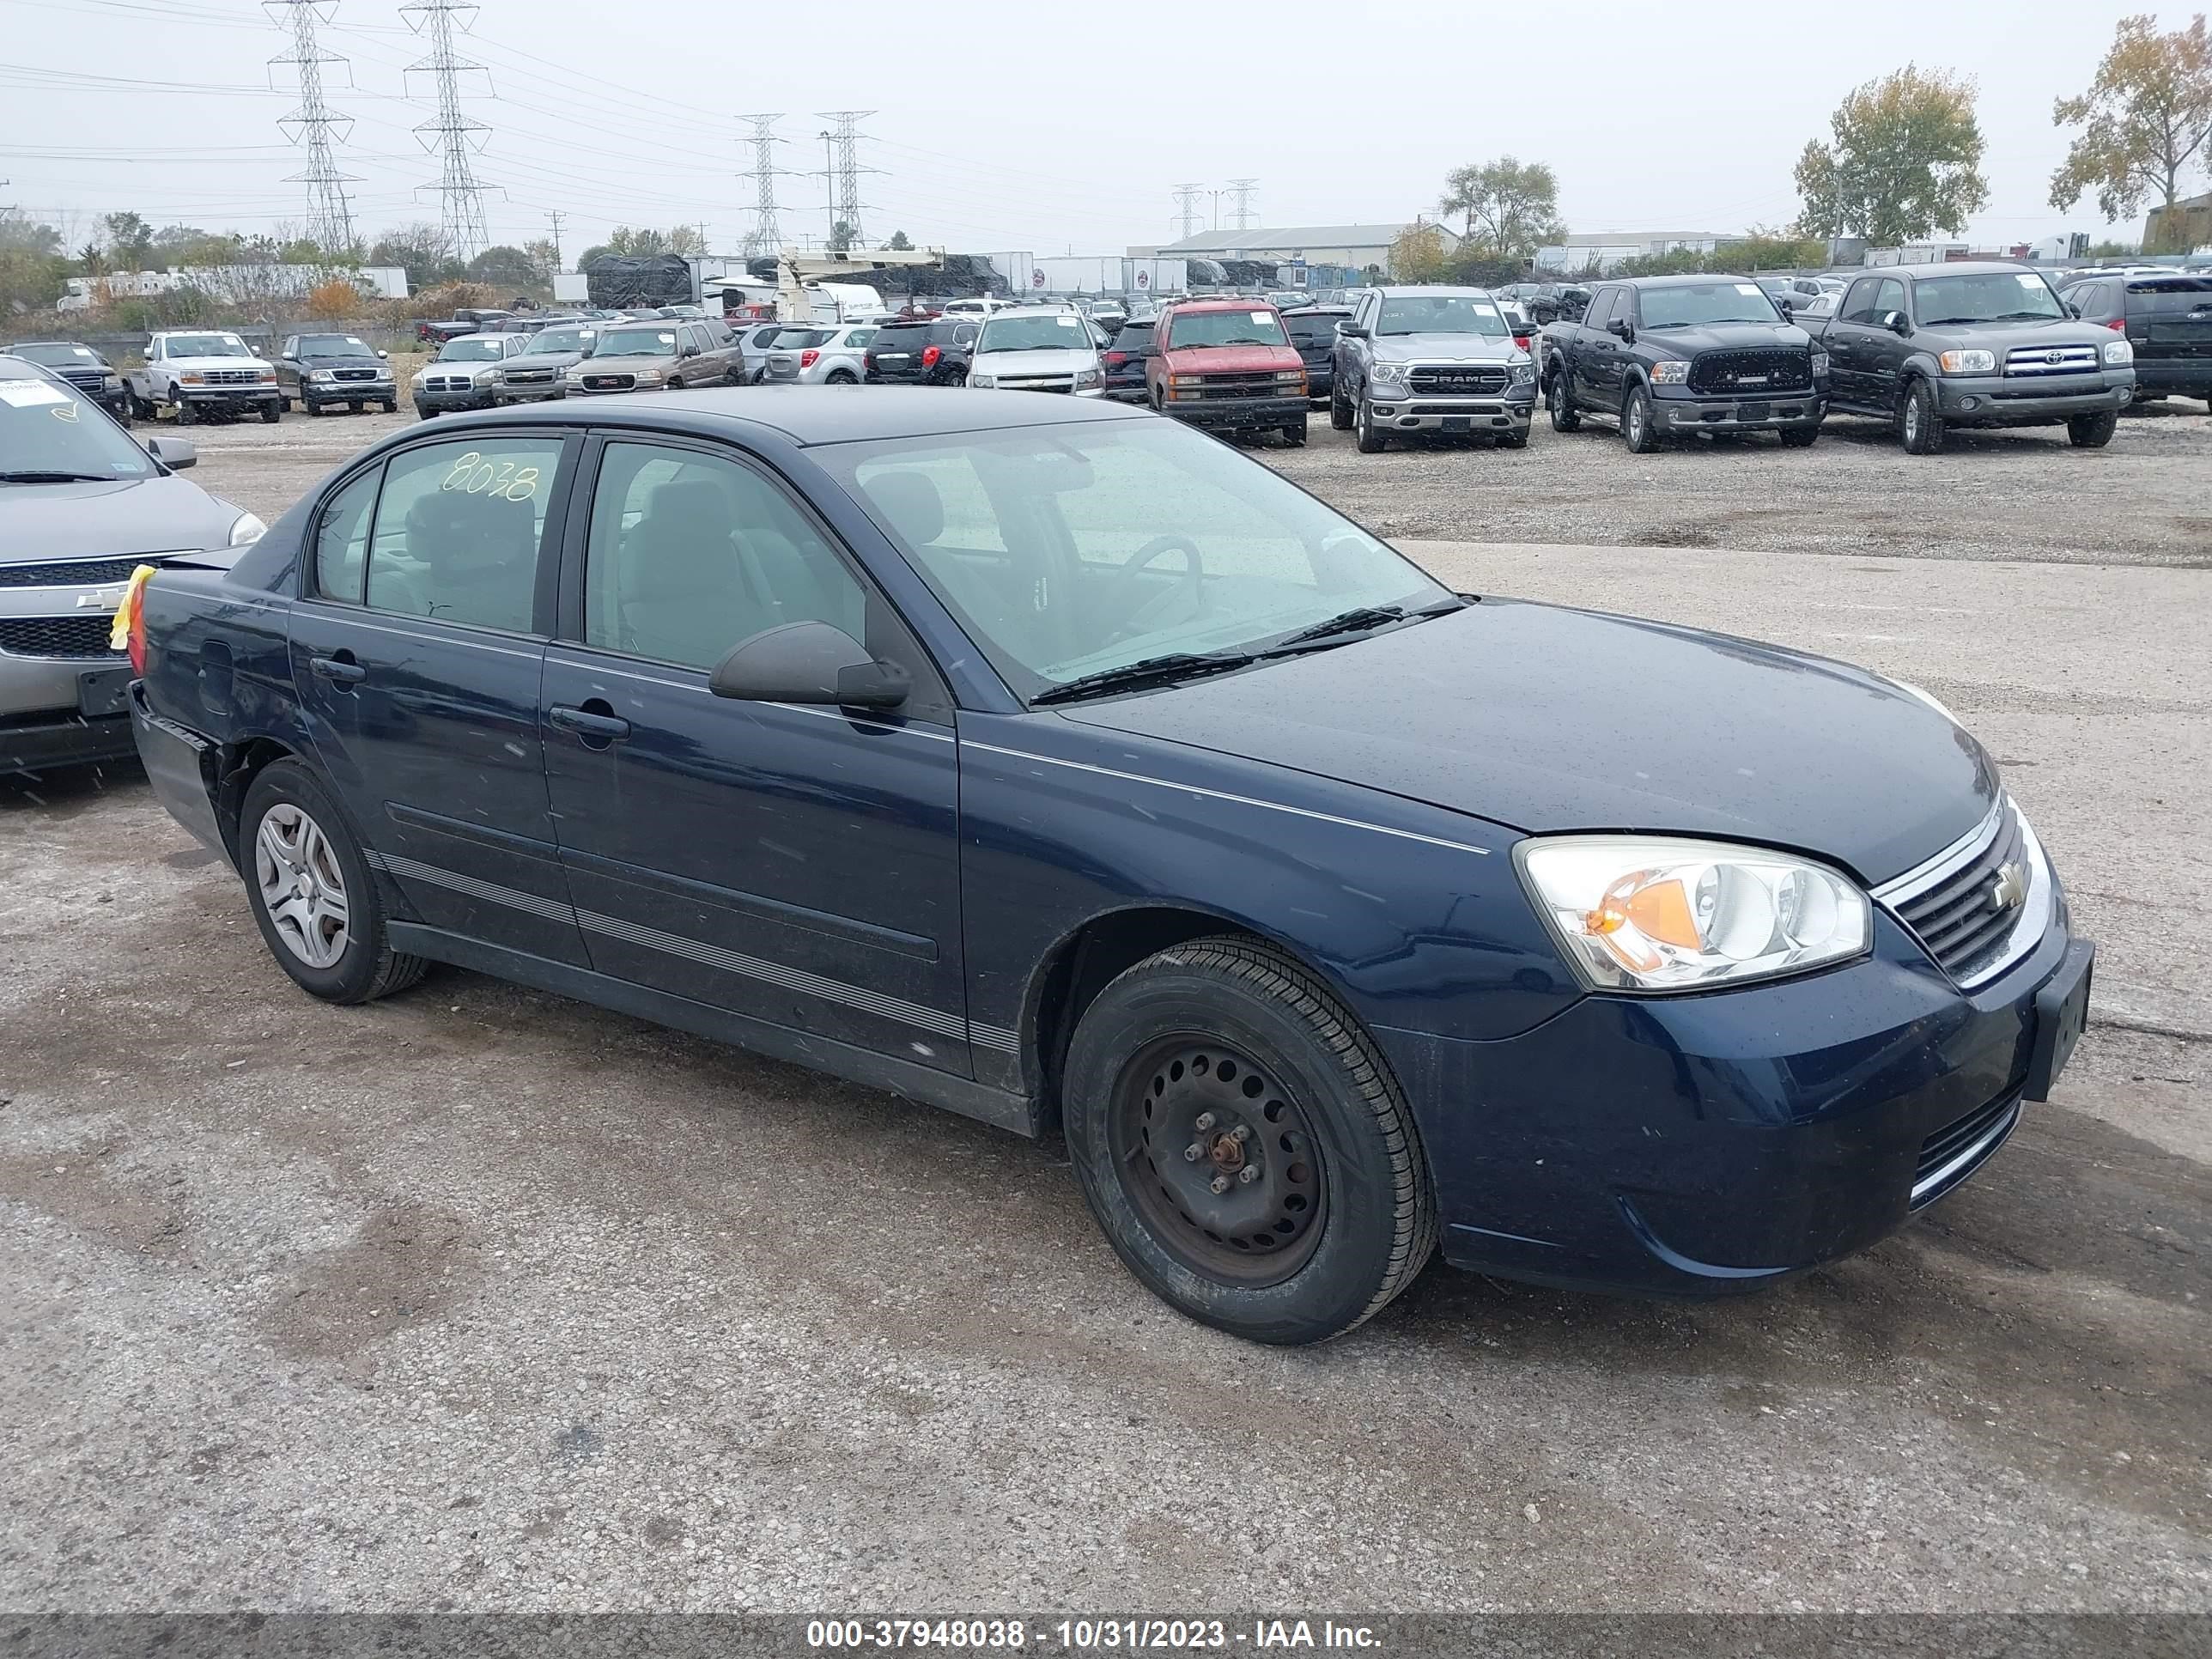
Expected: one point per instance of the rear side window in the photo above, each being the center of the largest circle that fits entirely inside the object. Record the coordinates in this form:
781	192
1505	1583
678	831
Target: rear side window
459	526
342	539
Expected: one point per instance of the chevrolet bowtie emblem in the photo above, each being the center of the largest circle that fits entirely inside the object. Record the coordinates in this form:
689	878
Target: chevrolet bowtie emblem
2009	890
105	599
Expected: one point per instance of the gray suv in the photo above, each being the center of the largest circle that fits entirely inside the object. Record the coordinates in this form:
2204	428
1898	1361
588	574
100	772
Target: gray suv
1438	359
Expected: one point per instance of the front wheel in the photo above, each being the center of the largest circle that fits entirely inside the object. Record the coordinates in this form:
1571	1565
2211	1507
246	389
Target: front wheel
271	413
1239	1140
1364	435
424	414
1339	412
1799	437
1560	403
124	411
1920	420
2092	431
185	415
1639	426
391	405
1514	438
311	893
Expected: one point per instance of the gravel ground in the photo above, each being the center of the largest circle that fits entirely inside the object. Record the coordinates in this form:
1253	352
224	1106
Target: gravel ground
479	1298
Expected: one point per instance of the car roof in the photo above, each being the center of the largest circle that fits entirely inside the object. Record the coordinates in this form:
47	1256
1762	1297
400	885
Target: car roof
1222	302
1955	268
1686	279
1430	288
19	344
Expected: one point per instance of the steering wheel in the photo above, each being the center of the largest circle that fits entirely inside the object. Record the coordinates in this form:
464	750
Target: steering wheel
1144	556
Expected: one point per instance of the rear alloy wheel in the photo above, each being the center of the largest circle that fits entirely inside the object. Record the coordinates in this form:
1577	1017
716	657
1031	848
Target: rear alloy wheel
1639	426
1370	441
1920	420
842	377
2093	431
1560	403
1239	1140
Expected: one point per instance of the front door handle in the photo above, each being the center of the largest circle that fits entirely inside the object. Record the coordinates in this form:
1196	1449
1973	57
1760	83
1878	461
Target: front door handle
343	670
598	725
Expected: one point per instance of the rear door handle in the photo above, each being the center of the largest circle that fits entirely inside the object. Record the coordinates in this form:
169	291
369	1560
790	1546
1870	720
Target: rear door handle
337	668
592	727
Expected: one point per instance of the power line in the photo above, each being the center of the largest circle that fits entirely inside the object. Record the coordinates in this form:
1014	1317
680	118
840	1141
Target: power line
1240	191
843	175
313	124
1187	208
451	132
766	236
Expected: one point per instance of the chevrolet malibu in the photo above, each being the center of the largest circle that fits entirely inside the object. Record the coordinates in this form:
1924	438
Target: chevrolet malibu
1049	761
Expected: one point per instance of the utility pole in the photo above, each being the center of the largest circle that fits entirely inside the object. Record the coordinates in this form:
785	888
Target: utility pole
1187	208
315	125
1240	190
766	236
451	132
845	199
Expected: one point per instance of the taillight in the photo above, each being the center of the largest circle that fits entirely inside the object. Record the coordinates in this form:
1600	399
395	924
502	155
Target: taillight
2118	324
1115	359
1521	340
809	358
930	355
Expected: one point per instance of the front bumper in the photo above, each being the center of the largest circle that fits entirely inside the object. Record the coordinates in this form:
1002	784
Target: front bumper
1237	411
228	396
1430	412
1681	410
1704	1145
2185	374
2013	400
479	397
348	392
535	393
65	740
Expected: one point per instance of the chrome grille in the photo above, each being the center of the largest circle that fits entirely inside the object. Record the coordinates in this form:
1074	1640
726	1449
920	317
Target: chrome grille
72	573
2052	360
354	374
231	376
1759	372
84	637
449	382
1966	910
610	382
1462	379
1958	1149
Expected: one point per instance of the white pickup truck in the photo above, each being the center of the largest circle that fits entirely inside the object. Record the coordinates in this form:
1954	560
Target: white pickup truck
202	373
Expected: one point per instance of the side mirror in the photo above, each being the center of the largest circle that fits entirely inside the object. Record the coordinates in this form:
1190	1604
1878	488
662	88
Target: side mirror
690	351
1618	329
1351	331
1786	306
809	662
2073	310
1895	322
172	453
384	353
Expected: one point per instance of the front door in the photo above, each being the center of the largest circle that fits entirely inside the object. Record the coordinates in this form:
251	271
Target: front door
417	647
793	865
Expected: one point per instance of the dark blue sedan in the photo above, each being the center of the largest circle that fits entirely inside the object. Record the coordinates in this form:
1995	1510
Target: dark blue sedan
1053	763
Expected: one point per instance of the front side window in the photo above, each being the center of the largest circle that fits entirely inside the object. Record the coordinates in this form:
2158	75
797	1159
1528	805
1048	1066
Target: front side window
691	554
1068	550
459	526
1601	309
1224	328
1699	305
1991	296
342	539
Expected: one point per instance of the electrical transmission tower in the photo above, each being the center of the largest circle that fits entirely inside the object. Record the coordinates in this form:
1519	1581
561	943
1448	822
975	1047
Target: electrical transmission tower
845	169
766	236
1240	209
452	134
315	125
1187	208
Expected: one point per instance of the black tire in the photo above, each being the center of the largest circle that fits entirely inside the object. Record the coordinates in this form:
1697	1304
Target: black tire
271	413
184	413
367	968
1340	1209
1514	438
2093	431
124	410
675	383
139	408
1799	437
1339	412
310	406
735	374
1639	421
391	405
356	409
1370	441
1920	419
1295	434
1560	402
423	414
841	377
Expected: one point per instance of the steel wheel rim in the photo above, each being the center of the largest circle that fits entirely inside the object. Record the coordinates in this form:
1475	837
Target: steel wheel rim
1912	420
302	886
1191	1116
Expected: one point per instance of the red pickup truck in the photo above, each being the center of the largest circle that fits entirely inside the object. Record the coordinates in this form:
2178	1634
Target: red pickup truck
1229	363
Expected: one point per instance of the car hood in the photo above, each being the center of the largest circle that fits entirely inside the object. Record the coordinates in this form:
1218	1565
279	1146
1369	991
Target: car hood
544	360
1228	360
369	361
2003	337
1033	362
127	516
199	365
1547	719
1444	348
1723	336
628	364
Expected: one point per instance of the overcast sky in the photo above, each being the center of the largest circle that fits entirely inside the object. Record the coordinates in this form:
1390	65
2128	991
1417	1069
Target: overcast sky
1024	127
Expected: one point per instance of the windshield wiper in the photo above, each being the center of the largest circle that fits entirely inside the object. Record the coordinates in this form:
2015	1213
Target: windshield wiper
1360	619
41	477
1148	670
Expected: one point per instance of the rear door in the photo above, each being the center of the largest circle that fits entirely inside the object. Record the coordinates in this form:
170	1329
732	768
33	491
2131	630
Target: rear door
1846	339
418	648
1595	351
1882	353
796	866
2169	323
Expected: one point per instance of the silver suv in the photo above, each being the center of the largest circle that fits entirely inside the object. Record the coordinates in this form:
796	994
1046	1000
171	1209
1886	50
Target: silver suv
1430	360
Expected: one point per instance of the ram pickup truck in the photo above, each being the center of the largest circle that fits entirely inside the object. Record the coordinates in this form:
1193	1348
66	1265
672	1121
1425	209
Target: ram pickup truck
1967	344
1228	363
1666	356
204	373
1431	361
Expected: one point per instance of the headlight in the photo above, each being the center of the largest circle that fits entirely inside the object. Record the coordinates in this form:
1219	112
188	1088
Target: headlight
1524	373
415	379
321	376
1673	373
188	380
2119	351
575	376
246	528
479	377
1819	362
111	382
1638	914
648	377
986	381
1389	373
1094	377
1968	362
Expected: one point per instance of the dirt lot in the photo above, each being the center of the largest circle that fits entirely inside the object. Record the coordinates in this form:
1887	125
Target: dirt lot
480	1298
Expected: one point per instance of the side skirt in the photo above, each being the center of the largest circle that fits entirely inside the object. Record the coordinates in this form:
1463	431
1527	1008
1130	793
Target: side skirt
998	1107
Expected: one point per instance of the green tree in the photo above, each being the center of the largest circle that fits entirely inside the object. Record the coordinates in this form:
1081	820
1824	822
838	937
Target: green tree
1418	255
690	240
130	241
1905	162
899	243
503	267
840	237
2147	115
422	250
1508	208
637	244
33	271
545	258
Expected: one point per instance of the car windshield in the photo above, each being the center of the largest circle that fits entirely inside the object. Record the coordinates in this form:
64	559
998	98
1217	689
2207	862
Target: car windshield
1440	313
207	346
799	339
55	357
473	349
637	342
1071	550
49	435
1225	328
1059	331
1990	296
334	345
552	340
1694	305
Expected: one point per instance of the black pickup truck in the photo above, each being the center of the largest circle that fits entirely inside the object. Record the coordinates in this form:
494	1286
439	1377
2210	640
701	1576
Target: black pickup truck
1670	356
1971	343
